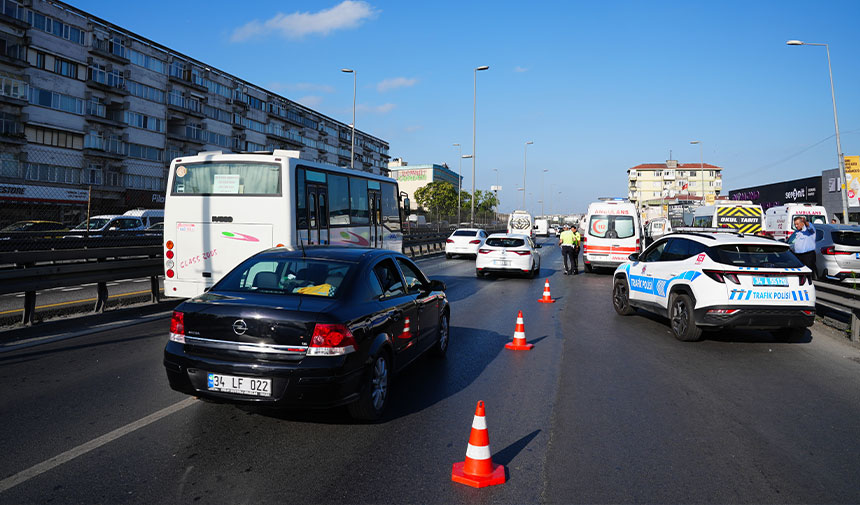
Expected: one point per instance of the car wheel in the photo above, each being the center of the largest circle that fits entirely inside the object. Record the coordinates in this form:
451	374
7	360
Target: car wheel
447	256
621	298
588	268
479	274
443	336
681	318
789	334
373	396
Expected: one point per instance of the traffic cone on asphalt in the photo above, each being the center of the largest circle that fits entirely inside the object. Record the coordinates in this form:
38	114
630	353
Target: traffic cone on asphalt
547	298
519	342
407	332
478	470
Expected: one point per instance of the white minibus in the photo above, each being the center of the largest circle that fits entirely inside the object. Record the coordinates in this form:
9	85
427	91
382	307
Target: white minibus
221	208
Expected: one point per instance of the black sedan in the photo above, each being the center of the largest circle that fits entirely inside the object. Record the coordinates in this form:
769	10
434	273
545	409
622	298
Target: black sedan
315	328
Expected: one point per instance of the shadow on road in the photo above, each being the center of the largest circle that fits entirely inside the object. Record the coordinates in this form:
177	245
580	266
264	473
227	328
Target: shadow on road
507	455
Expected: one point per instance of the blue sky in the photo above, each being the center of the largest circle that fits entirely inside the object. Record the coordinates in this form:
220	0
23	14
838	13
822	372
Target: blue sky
598	86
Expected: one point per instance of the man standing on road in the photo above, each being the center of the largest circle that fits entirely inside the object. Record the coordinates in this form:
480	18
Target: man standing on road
803	242
568	242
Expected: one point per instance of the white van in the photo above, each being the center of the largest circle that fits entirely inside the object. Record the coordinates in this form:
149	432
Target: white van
522	222
148	216
779	221
612	233
542	227
745	217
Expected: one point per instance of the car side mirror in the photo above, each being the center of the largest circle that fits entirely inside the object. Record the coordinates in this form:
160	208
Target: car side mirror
633	257
437	285
538	246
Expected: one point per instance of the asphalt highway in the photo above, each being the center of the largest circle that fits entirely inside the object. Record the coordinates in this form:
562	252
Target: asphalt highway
604	409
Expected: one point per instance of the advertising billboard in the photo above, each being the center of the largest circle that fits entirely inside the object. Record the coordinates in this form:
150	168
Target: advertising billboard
806	190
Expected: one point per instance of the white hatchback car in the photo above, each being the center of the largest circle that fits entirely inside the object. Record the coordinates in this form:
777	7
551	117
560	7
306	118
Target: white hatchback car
508	253
718	280
465	241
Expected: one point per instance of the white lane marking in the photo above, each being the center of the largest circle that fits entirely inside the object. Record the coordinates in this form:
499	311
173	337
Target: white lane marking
90	284
112	284
71	289
141	280
19	296
65	457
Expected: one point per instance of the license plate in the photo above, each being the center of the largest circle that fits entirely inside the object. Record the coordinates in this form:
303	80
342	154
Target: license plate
503	263
239	385
770	281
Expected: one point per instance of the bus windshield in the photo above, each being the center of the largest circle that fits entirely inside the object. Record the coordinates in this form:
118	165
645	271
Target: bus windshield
227	178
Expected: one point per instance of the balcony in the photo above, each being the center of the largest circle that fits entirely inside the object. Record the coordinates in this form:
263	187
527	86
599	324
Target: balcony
17	19
632	176
11	129
110	50
115	88
13	53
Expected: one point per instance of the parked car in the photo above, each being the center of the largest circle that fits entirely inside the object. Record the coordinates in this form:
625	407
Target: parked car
465	241
29	229
149	217
508	253
99	225
718	280
155	229
315	328
837	252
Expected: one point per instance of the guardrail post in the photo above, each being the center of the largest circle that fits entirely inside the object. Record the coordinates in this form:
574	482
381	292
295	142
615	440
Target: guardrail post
101	297
29	308
153	285
855	327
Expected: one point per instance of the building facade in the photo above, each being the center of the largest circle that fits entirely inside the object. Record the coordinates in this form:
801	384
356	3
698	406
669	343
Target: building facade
93	113
412	177
650	183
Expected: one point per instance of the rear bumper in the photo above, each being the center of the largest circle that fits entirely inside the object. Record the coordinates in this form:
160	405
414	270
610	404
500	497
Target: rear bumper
757	317
328	384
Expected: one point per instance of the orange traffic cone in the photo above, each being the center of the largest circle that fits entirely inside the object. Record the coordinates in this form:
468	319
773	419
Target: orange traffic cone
407	332
519	342
547	298
478	470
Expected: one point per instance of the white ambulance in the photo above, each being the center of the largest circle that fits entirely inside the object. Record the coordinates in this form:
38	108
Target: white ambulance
611	233
779	221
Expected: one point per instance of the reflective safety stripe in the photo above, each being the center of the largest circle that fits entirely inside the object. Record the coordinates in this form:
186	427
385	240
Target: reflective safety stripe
519	334
476	452
479	423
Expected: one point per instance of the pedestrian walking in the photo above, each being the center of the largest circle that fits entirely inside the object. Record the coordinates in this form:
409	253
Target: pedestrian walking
569	242
803	242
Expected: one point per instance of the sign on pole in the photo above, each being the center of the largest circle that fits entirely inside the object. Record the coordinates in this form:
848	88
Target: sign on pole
852	180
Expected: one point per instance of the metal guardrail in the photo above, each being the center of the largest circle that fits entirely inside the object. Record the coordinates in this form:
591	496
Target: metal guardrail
841	299
32	271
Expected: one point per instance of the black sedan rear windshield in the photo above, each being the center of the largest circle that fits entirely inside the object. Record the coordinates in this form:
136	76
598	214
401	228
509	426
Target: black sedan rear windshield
286	276
505	242
755	255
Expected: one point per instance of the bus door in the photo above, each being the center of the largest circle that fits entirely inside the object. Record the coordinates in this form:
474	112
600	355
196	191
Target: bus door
374	201
318	229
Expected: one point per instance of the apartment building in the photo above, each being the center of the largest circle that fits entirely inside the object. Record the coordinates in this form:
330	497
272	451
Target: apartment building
92	114
650	183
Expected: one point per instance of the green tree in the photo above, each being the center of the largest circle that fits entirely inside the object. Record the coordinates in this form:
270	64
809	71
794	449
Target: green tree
438	197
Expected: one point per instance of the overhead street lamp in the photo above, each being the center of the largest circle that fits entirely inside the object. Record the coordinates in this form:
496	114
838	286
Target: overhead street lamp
525	151
701	167
474	116
459	180
352	147
839	155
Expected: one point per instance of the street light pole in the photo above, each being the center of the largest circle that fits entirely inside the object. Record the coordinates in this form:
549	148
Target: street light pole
459	181
466	157
525	156
839	155
352	147
474	118
541	192
701	167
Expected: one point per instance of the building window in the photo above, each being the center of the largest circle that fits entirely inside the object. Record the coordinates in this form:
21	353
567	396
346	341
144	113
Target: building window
56	101
56	138
146	92
93	175
10	124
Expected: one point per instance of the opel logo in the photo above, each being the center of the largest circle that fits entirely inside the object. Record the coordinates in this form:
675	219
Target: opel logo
240	327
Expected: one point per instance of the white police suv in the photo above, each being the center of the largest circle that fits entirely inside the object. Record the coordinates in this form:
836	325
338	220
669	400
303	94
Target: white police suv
711	280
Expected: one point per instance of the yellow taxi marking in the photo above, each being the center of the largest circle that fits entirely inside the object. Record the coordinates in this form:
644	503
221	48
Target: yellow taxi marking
78	301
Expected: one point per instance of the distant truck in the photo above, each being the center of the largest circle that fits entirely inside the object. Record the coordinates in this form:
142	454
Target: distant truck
542	227
521	222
